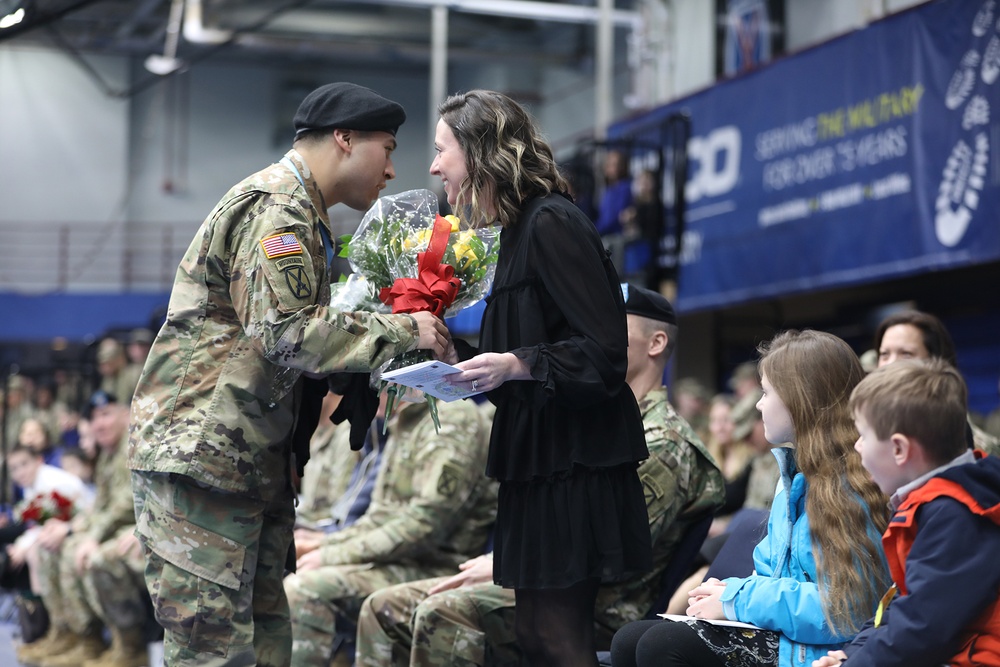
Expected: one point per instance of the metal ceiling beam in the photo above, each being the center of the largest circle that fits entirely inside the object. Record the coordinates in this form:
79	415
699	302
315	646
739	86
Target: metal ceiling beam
525	9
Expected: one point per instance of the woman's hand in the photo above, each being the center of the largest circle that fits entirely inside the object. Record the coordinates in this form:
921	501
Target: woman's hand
705	600
488	371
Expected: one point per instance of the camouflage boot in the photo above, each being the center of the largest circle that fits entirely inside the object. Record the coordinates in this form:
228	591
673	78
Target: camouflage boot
127	650
55	641
83	648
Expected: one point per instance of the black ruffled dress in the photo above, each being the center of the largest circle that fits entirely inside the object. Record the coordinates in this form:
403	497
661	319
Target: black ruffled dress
565	446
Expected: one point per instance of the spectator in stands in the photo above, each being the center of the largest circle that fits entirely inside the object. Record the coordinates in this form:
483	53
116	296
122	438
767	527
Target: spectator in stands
18	407
691	398
137	349
36	479
944	536
466	619
642	223
913	334
820	570
431	510
615	200
732	455
77	462
118	377
48	410
34	435
744	380
69	548
617	195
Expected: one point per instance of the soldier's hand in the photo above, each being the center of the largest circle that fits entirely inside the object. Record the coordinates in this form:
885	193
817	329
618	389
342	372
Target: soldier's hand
306	541
311	561
84	552
127	544
433	334
478	570
16	556
53	533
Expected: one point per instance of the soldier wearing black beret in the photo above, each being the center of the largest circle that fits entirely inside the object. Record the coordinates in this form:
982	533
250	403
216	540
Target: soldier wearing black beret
226	405
647	303
347	106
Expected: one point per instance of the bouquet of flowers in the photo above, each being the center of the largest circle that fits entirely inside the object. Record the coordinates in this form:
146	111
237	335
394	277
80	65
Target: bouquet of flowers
407	259
44	506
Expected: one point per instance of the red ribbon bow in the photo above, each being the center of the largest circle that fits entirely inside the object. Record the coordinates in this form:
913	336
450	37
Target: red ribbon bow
435	286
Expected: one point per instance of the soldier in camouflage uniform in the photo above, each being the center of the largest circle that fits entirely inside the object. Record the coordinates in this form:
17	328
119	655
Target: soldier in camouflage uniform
329	471
469	623
70	549
220	394
431	510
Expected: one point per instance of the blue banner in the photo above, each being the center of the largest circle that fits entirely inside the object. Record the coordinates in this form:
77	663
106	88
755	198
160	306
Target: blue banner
870	157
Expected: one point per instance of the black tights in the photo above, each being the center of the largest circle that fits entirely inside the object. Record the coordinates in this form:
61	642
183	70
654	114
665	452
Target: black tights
555	626
661	644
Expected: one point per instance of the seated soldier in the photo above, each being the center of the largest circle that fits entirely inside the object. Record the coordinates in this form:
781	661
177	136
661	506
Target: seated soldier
68	549
431	509
467	620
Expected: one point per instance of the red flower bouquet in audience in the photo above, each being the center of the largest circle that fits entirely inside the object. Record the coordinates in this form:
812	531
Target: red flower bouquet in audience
407	258
44	506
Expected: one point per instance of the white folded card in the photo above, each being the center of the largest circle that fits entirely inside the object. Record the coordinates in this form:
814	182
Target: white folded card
731	624
428	377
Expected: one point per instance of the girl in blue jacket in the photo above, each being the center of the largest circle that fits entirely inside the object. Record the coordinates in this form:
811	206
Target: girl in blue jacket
820	568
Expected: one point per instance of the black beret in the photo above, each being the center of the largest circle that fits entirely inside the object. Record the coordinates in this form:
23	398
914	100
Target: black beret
647	303
99	399
349	107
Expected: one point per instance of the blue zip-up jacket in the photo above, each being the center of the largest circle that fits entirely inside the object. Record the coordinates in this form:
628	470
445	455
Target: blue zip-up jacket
782	595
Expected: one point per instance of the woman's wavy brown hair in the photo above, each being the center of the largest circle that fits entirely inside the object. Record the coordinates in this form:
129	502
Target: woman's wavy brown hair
507	159
814	373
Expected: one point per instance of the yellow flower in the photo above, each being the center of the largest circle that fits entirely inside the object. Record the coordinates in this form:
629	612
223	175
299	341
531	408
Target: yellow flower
453	219
462	248
418	240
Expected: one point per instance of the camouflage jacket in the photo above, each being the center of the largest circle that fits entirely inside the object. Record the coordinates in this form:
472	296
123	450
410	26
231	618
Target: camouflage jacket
113	506
682	484
432	504
217	399
328	475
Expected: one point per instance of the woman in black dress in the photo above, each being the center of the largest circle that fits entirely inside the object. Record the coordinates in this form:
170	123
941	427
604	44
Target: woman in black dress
567	435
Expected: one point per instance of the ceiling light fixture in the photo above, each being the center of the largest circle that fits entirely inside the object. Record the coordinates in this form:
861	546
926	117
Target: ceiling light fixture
12	12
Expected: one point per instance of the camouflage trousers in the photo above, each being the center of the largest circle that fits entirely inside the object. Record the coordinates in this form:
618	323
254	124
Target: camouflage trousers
472	625
325	600
70	598
118	584
214	565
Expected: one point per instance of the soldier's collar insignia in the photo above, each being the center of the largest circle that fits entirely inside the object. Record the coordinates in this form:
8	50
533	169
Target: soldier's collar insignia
279	245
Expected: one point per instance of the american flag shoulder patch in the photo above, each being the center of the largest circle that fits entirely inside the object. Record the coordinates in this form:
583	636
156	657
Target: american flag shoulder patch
279	245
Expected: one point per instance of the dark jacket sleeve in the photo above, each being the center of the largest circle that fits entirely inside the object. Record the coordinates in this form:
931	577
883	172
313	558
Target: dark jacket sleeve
951	576
588	365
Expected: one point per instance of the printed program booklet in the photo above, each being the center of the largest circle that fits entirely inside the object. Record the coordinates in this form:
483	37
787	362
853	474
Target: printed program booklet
428	377
731	624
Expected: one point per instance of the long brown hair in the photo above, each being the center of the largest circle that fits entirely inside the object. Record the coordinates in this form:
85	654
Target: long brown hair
507	159
814	373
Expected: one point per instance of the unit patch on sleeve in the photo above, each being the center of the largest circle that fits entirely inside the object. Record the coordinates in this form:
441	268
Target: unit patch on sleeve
279	245
298	282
